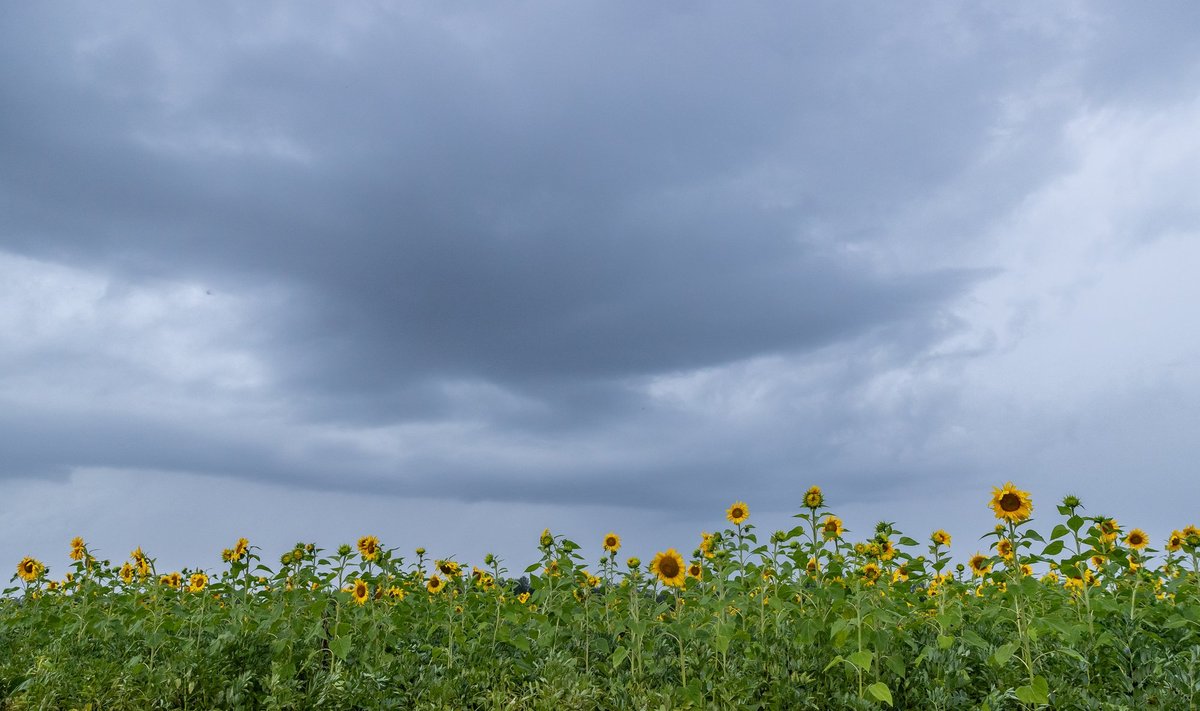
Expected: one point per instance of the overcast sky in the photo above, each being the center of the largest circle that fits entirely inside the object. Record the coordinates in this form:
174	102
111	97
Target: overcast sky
452	273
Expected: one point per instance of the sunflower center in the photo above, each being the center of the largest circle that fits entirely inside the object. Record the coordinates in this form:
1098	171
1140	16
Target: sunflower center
669	567
611	542
1010	502
737	513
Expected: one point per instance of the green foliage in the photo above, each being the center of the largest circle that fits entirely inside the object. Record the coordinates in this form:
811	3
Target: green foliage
807	620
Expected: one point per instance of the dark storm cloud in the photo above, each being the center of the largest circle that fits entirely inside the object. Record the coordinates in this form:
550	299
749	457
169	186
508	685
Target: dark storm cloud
557	204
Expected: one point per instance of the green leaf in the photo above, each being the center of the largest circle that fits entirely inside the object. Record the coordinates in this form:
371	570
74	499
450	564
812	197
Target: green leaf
906	541
1053	549
833	663
1075	523
945	641
618	656
1059	531
340	646
880	692
861	659
1036	693
1003	653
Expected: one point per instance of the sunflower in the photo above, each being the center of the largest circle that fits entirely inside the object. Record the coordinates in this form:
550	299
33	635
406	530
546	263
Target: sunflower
523	597
449	568
1011	504
1175	541
30	569
612	543
546	540
832	527
141	562
1099	561
870	573
361	591
738	513
1137	539
171	580
78	549
813	498
1004	548
197	582
1109	529
940	537
886	551
395	593
669	568
980	564
900	575
435	584
368	547
1026	569
240	549
126	573
812	567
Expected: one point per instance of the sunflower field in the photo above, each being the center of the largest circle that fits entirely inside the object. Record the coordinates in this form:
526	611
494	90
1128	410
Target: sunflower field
1084	615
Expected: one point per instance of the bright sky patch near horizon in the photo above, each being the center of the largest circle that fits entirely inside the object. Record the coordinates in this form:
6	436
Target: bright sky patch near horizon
452	274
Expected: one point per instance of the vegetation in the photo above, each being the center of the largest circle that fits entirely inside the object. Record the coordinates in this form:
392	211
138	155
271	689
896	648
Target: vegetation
1087	616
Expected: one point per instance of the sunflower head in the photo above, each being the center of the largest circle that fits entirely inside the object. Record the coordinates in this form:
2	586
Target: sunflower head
813	498
812	567
634	562
832	527
126	573
171	580
1137	539
1109	529
197	582
738	513
887	550
523	597
368	547
980	564
668	566
940	537
1011	504
1004	548
435	584
612	543
546	540
78	548
240	549
30	569
1175	541
870	573
361	591
449	568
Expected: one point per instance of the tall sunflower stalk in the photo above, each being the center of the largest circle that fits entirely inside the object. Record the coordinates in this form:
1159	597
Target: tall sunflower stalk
1014	507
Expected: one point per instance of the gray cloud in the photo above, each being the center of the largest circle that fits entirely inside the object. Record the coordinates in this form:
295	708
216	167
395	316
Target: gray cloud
609	252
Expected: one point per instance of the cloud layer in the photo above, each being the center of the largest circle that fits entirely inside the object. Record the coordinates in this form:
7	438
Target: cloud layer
641	259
